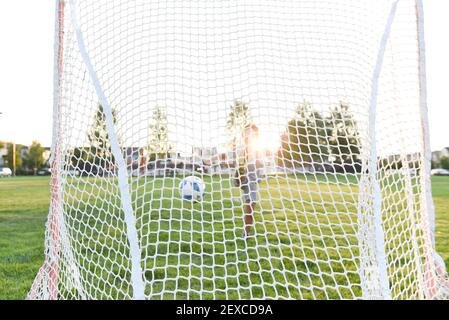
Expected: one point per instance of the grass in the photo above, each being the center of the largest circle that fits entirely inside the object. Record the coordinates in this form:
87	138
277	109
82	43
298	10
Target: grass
440	192
290	249
23	211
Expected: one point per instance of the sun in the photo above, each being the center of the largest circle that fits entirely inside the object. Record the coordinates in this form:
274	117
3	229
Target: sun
267	141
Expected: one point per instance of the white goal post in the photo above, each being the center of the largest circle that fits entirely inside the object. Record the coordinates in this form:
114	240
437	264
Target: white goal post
304	120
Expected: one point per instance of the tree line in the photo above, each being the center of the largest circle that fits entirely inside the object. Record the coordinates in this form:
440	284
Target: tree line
311	138
28	160
441	163
98	156
315	138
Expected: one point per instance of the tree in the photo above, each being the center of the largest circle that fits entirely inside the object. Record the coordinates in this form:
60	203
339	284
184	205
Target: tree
238	119
390	163
35	156
305	141
98	136
79	158
344	141
444	163
158	144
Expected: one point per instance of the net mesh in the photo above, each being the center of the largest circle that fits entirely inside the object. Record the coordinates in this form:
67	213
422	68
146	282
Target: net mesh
304	119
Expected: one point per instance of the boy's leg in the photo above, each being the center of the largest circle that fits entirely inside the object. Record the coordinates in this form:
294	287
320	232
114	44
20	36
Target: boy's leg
249	217
250	204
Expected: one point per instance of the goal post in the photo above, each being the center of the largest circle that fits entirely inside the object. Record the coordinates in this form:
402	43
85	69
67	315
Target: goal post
303	121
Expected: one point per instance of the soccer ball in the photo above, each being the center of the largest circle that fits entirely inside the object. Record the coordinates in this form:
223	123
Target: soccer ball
192	188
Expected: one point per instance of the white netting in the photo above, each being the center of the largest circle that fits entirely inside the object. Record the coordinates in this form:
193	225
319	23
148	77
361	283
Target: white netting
305	119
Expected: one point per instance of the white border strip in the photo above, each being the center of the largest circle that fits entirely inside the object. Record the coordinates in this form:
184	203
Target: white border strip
130	219
433	260
56	84
424	117
377	205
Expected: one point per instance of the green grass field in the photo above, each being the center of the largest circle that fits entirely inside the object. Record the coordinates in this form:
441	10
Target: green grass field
24	206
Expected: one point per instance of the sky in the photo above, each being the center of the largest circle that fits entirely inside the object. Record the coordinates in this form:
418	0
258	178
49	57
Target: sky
26	70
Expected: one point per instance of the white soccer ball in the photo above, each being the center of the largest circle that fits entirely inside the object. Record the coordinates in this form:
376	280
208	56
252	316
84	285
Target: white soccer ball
192	188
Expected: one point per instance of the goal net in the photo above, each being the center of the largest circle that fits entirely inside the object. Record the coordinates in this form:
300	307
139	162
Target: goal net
304	120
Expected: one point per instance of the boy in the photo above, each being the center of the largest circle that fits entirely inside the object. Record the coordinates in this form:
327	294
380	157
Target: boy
246	176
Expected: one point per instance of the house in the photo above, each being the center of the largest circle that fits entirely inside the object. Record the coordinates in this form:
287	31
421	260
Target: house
437	155
3	154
